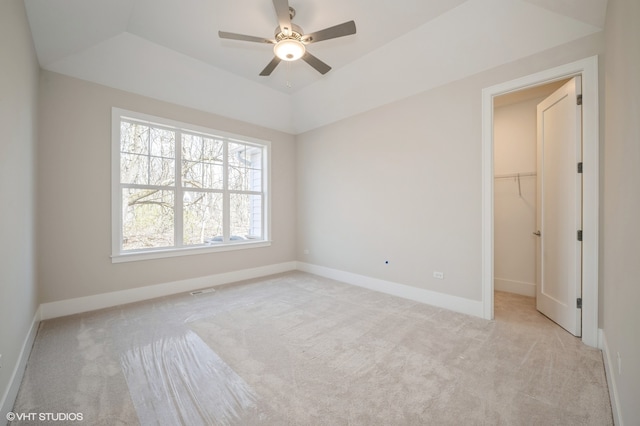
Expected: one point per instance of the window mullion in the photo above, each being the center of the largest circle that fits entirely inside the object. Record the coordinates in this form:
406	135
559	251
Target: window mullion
149	155
178	207
263	196
226	199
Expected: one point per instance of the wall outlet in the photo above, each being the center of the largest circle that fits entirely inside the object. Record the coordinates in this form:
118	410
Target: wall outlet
619	364
438	275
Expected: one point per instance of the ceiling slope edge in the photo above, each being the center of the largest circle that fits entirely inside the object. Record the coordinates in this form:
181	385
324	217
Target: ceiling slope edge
472	38
133	64
592	12
56	26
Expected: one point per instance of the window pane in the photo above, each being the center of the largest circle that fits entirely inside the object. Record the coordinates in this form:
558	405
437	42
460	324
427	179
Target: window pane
146	155
237	154
255	179
253	157
191	147
202	175
201	148
134	138
134	168
212	150
212	177
202	165
245	179
238	178
147	218
202	219
246	216
161	171
245	167
163	143
191	174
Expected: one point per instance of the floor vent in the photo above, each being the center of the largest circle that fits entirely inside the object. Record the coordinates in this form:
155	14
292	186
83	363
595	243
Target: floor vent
203	291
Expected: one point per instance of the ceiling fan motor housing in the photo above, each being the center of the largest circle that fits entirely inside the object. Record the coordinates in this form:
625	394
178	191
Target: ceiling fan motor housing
296	33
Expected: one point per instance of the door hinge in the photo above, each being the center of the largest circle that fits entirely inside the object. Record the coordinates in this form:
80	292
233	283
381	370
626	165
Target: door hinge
579	302
580	167
580	235
579	100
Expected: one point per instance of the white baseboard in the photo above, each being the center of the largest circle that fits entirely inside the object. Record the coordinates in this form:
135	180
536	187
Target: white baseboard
611	371
517	287
106	300
453	303
10	394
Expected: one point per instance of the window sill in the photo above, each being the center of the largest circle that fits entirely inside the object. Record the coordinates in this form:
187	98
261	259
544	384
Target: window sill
185	251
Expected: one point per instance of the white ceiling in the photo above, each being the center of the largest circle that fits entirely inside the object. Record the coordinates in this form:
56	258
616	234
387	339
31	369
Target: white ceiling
170	50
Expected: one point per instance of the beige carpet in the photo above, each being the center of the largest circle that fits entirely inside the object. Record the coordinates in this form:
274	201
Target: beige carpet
297	349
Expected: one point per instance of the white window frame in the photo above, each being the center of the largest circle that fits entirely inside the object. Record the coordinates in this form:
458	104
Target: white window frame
117	254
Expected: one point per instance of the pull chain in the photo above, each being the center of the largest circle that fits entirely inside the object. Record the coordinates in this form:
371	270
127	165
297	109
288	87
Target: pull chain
288	83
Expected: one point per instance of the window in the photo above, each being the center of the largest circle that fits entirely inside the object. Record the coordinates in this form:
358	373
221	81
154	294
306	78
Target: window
180	189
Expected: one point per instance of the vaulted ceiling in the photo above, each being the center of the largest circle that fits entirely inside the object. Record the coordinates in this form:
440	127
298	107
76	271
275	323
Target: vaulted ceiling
170	49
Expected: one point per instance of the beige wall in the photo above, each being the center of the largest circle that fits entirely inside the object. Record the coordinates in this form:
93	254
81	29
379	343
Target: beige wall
622	202
18	107
74	199
403	183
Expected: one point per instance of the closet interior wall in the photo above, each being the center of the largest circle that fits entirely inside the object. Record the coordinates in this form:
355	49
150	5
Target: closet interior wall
515	191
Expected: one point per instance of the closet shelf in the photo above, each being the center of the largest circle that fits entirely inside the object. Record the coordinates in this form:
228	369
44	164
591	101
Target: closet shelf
514	175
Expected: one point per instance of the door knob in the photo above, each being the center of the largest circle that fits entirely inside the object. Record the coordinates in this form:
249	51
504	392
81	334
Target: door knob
537	233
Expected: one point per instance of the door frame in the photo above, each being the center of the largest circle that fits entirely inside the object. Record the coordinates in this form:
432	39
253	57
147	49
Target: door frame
588	69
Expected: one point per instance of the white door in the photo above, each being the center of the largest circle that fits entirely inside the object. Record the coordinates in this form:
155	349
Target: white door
559	207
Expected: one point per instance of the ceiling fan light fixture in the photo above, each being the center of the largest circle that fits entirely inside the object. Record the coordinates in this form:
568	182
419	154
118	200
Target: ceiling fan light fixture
289	49
290	41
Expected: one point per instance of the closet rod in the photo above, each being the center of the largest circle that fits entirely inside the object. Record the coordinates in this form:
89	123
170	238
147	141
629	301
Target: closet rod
514	175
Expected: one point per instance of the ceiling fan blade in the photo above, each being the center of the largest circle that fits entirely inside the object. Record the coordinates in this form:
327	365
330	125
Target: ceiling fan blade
316	63
270	67
284	19
336	31
242	37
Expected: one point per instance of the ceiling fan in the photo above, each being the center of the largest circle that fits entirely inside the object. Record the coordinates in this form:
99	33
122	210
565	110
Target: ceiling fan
290	40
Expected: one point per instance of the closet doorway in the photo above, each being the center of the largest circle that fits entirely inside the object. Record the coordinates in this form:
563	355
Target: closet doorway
588	70
534	166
